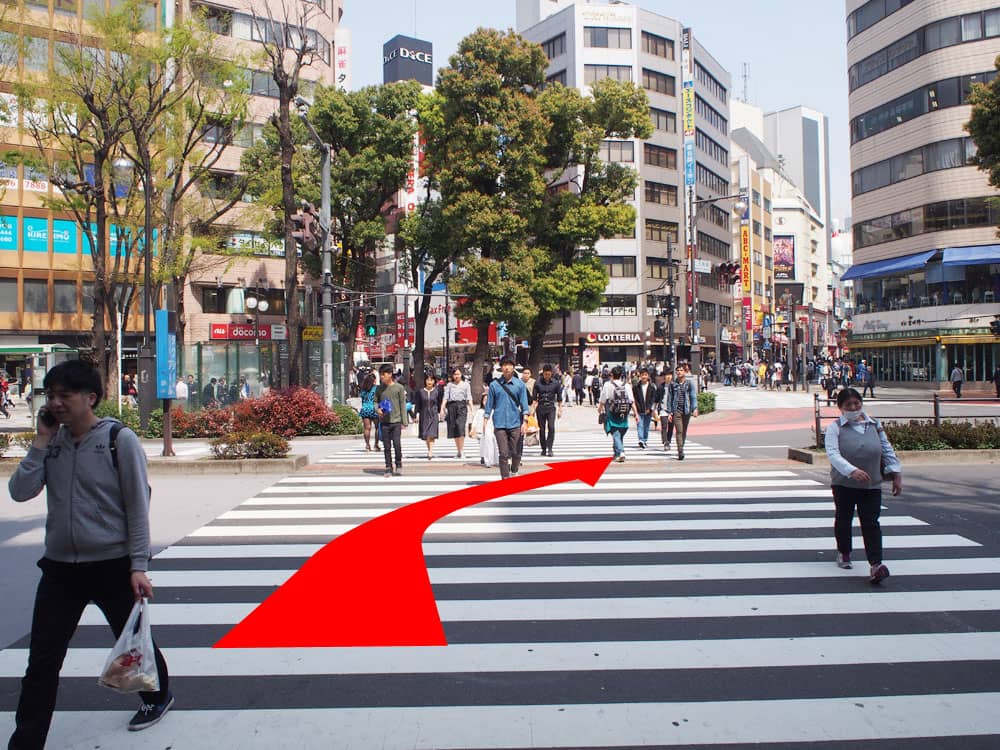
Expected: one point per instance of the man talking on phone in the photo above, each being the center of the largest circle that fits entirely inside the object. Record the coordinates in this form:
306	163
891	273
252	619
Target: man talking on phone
96	539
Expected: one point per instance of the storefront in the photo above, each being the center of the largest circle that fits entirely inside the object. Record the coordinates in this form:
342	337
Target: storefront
257	353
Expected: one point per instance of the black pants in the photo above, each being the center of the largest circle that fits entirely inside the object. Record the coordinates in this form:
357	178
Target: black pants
956	385
869	505
869	386
391	441
510	443
63	592
546	428
666	430
579	396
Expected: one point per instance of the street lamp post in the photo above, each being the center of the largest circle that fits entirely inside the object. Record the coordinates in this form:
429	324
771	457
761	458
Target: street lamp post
327	250
406	290
259	305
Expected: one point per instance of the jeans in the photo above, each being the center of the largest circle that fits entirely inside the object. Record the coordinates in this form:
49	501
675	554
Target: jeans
680	430
618	439
63	592
391	440
869	504
546	429
509	444
643	427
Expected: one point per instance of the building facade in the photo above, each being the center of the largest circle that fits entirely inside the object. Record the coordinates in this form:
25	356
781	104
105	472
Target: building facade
45	261
926	260
586	42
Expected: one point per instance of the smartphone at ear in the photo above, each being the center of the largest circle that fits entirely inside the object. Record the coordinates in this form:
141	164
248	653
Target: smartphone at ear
47	419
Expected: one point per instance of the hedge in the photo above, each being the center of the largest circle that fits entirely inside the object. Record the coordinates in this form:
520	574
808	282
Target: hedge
925	436
706	402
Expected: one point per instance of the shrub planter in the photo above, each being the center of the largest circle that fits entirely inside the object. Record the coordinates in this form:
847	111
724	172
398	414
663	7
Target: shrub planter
209	465
949	455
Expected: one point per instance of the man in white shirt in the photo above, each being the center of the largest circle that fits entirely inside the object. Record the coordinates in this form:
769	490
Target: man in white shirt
181	393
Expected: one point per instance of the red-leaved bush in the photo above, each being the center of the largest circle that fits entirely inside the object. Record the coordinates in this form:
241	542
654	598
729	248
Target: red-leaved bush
288	413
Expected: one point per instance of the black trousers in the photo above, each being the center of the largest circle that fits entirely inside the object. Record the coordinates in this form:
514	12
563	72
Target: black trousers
869	387
510	443
391	441
869	505
546	428
666	430
63	592
956	385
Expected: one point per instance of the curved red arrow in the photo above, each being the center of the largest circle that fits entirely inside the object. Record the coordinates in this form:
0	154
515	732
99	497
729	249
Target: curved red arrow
369	587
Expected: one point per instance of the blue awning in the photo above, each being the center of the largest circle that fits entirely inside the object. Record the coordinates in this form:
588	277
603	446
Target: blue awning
889	266
974	255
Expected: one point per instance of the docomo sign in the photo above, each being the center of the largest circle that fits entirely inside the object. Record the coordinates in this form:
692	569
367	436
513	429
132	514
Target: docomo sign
408	54
244	332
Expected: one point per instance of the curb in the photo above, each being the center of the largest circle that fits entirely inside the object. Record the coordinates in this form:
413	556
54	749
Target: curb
950	456
161	466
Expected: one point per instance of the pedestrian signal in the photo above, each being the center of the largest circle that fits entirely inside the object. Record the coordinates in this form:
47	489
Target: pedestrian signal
371	325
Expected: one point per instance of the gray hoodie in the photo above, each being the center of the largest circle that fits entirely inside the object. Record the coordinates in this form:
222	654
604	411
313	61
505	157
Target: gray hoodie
95	513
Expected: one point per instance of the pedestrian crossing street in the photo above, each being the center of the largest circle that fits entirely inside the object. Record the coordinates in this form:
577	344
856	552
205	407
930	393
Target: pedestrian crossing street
694	609
569	446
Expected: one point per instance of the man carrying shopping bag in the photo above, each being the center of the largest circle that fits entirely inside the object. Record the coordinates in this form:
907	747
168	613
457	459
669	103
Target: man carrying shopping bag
96	540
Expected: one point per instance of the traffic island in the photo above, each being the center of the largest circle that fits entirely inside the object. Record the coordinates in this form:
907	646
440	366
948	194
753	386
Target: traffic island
817	457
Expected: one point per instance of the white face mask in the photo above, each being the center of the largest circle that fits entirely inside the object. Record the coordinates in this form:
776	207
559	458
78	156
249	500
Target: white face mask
852	416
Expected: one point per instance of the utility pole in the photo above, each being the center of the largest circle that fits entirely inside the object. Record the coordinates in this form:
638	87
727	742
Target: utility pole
326	305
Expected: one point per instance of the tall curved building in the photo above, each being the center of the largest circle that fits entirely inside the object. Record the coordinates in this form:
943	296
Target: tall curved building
926	255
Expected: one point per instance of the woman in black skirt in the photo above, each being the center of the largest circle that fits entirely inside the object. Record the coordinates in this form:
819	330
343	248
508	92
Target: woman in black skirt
427	405
455	407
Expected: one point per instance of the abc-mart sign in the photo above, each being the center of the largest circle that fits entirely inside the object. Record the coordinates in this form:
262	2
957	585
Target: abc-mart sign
242	332
408	54
613	338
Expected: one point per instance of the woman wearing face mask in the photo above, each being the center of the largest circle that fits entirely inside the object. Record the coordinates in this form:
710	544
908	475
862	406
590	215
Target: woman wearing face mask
859	454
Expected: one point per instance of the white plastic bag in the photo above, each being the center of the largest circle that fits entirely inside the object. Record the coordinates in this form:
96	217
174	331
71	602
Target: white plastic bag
131	665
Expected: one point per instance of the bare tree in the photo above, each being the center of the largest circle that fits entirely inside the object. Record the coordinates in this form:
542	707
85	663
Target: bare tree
288	46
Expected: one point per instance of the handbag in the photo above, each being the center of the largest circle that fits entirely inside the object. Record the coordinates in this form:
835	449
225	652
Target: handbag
131	665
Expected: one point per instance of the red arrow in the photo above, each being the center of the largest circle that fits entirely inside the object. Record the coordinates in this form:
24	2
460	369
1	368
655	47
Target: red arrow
369	587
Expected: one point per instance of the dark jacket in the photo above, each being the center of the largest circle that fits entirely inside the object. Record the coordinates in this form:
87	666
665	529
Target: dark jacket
648	404
546	395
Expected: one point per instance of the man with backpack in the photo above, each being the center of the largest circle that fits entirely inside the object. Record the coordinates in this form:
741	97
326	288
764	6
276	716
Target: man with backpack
617	401
96	540
682	404
507	407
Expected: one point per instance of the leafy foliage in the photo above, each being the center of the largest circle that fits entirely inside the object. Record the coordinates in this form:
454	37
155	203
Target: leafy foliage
984	127
246	444
129	416
706	402
24	440
919	435
4	443
350	422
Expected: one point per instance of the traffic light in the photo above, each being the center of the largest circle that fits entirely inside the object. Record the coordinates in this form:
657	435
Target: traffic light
659	328
371	325
729	272
306	229
995	327
458	336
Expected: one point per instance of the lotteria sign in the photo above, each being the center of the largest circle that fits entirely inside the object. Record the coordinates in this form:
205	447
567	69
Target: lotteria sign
614	338
247	332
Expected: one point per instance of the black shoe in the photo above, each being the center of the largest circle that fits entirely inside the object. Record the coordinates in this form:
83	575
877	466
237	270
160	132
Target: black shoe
680	456
150	713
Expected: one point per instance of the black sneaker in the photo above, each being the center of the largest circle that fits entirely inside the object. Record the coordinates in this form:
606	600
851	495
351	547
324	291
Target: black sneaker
150	713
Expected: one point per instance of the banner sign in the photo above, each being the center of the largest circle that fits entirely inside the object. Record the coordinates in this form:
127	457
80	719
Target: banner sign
246	332
166	355
687	120
746	263
783	247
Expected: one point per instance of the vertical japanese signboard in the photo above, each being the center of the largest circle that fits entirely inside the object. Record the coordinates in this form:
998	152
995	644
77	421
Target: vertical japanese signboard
746	273
687	118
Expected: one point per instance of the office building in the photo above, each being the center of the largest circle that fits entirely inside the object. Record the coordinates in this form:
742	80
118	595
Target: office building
926	260
586	42
46	268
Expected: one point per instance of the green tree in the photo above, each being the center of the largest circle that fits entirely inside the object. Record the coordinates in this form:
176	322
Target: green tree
371	134
486	152
585	200
984	127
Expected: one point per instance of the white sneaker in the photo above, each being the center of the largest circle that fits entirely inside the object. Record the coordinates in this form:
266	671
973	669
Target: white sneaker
844	561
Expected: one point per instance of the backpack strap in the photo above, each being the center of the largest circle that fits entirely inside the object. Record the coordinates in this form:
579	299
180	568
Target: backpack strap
113	443
517	404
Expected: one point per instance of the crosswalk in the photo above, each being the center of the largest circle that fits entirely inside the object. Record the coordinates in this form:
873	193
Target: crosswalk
670	609
569	446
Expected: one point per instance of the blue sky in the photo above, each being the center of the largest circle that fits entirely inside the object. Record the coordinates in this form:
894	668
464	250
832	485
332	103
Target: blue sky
796	50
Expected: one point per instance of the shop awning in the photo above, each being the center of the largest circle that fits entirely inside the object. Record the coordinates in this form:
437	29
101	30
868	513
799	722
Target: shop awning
973	255
888	266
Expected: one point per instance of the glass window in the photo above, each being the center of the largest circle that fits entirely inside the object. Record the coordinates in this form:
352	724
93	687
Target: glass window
8	295
594	73
942	34
36	53
972	27
944	155
36	296
555	46
658	156
991	23
64	296
617	151
943	94
657	45
559	77
620	266
903	51
88	298
663	120
612	38
657	268
905	166
657	192
659	83
661	231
